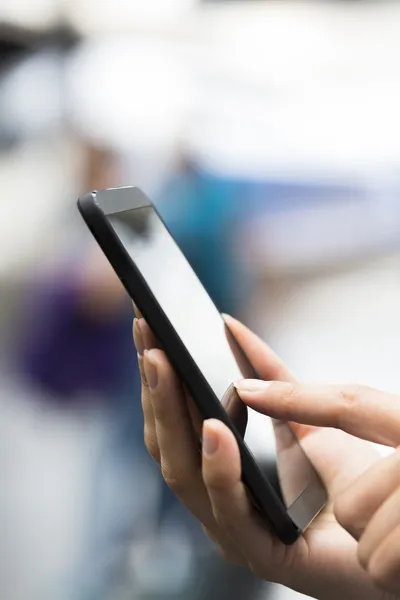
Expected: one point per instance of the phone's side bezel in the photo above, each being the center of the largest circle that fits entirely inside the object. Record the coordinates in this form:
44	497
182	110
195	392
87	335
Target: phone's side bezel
94	208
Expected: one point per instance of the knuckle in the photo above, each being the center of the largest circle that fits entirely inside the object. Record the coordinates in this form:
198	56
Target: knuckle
143	377
161	411
290	395
151	443
175	484
178	482
353	394
350	399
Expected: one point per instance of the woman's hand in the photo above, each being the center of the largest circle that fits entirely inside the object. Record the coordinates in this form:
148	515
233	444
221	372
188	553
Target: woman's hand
324	562
369	508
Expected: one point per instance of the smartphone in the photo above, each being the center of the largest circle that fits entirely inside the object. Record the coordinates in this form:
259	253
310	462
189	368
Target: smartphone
202	349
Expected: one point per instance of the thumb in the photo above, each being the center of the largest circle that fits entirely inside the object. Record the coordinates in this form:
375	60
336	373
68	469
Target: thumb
360	411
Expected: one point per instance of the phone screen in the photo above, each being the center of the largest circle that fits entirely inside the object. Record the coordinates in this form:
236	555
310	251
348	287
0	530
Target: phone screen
202	330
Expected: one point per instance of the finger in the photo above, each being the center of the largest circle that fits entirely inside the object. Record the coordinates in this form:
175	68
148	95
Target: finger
360	411
137	338
196	418
176	420
343	460
384	565
180	460
383	521
149	339
231	506
267	364
355	506
150	434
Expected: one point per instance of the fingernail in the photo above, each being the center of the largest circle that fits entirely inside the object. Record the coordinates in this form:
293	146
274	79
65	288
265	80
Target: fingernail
252	386
150	369
141	326
138	338
210	439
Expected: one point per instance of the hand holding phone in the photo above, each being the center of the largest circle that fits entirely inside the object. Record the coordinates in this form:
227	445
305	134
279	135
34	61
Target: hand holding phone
323	563
192	358
199	344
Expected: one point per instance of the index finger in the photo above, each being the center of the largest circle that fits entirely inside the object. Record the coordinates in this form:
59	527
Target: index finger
363	412
264	360
266	363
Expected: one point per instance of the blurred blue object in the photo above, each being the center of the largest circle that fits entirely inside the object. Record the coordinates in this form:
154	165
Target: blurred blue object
65	352
203	213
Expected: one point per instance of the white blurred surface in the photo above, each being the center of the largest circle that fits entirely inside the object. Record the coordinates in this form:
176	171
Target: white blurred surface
328	232
39	14
90	16
282	593
36	182
46	462
343	327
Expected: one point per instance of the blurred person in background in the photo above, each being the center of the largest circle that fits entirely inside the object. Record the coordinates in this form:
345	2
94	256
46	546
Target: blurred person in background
204	212
74	347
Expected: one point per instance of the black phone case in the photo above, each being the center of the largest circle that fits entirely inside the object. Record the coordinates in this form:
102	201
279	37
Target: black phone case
262	494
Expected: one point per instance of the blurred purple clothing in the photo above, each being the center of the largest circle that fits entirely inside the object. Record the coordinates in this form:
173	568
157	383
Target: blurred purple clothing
68	354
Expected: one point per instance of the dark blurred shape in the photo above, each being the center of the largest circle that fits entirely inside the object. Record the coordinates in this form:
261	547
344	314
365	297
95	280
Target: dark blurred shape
27	58
74	332
15	42
67	351
63	37
218	580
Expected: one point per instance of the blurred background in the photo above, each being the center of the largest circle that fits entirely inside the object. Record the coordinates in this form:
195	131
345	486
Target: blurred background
267	132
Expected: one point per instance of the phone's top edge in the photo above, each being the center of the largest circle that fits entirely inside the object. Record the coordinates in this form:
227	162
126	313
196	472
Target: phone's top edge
85	202
115	200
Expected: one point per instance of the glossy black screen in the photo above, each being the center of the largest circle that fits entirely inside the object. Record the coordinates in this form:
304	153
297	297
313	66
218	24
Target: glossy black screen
202	330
